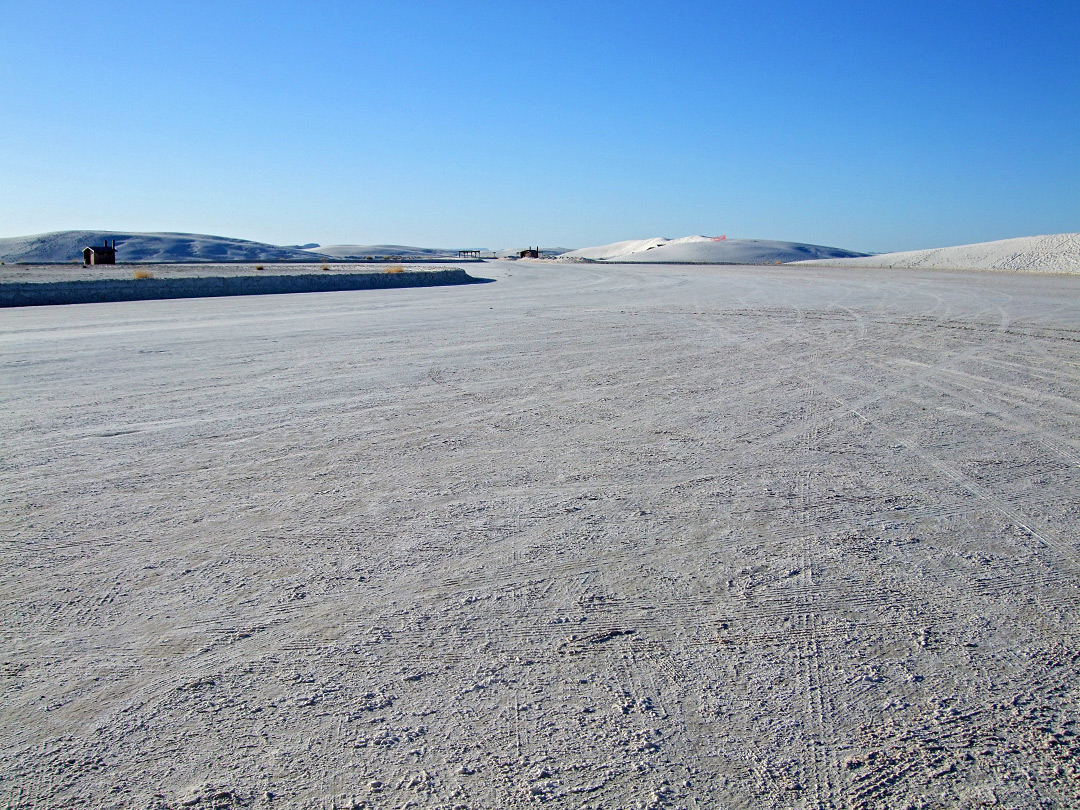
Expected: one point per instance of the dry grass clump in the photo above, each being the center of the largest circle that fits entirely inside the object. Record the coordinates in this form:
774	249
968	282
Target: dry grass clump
394	268
326	267
143	274
259	267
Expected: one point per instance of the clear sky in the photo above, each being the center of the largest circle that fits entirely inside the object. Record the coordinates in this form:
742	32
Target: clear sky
870	126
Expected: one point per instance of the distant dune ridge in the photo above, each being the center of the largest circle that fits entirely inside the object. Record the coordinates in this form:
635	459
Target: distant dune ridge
1053	253
172	248
365	251
690	249
66	246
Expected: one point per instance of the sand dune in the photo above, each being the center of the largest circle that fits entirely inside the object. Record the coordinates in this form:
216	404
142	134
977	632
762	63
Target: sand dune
1054	253
705	249
66	246
366	251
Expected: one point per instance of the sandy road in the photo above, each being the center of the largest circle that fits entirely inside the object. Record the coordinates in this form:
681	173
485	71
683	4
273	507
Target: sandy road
583	537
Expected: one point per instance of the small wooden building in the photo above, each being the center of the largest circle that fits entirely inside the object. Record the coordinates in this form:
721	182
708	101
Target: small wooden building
104	254
530	253
468	254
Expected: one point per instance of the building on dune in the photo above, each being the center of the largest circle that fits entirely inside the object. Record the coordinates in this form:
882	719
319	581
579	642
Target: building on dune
103	254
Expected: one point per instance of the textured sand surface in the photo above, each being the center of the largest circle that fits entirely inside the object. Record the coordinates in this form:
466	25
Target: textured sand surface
584	537
1053	253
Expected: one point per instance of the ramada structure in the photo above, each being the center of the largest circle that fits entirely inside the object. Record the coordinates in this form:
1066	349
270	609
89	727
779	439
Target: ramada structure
103	254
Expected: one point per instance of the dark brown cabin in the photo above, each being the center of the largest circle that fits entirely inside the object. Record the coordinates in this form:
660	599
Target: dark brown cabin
530	253
104	254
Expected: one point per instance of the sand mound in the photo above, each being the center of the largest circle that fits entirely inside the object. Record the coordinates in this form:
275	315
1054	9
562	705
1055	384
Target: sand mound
66	246
705	249
1055	253
367	251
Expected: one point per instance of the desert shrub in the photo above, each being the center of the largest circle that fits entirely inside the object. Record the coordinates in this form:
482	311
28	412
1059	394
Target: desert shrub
326	267
394	268
259	267
143	274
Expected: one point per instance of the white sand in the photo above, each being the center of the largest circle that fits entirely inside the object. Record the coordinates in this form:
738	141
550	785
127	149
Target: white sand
364	251
585	537
705	249
67	246
1054	253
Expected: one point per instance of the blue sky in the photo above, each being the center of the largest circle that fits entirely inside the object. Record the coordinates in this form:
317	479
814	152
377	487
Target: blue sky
452	124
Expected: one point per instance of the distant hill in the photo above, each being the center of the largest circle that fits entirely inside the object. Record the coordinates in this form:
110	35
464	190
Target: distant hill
364	251
66	246
1053	253
181	248
704	249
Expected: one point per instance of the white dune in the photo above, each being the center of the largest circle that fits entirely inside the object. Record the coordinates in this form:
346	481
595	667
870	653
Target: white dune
706	250
1053	253
616	250
67	246
365	251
